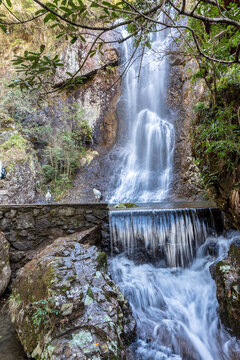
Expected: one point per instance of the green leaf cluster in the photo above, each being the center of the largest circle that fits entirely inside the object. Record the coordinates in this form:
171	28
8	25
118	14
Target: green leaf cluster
216	143
43	311
36	68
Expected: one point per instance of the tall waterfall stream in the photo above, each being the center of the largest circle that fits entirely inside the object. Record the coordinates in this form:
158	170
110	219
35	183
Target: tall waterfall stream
145	169
169	286
164	256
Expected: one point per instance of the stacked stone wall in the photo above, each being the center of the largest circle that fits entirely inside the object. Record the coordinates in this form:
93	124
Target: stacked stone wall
29	228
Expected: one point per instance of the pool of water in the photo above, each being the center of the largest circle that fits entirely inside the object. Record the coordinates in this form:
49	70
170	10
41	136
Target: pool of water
10	347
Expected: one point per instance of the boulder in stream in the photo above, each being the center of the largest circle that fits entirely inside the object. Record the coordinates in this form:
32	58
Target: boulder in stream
228	289
5	270
65	306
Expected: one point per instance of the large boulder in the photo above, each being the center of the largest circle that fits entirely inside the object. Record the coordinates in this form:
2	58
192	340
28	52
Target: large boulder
65	306
5	270
228	289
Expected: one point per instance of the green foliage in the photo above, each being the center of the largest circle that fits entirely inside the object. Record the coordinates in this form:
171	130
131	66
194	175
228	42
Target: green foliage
216	142
64	149
16	104
15	141
44	311
102	260
36	68
213	40
216	132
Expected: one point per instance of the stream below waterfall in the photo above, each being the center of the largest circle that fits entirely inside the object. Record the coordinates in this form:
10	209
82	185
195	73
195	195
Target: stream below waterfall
10	347
175	307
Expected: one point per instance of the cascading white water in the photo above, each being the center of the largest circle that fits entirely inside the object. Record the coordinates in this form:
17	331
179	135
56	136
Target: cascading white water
170	235
176	309
147	155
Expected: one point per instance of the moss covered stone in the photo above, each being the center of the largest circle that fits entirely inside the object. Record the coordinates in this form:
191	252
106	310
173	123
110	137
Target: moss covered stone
89	319
228	289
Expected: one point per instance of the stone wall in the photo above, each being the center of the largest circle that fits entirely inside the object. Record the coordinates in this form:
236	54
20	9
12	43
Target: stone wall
29	228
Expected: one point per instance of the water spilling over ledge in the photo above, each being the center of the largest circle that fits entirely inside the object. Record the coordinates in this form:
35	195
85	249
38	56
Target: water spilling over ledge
170	235
173	298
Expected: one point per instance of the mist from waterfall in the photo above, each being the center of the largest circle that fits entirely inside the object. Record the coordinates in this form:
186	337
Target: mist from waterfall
146	154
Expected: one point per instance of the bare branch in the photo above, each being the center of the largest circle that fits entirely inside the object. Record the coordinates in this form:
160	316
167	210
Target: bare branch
22	21
196	6
201	52
219	20
183	6
11	12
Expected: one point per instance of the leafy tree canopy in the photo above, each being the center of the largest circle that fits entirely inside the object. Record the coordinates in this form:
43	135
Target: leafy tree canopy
210	30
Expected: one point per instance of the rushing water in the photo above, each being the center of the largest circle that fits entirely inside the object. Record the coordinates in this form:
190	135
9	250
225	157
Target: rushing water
147	154
175	307
170	235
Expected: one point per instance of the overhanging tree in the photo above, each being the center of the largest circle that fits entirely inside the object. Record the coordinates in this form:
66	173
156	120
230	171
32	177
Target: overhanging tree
209	28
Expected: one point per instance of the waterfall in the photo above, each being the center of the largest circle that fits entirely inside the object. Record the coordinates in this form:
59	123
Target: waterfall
175	303
171	235
145	168
163	255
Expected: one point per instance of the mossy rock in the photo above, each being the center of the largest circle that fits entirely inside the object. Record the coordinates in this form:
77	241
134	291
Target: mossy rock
65	298
228	290
102	260
125	205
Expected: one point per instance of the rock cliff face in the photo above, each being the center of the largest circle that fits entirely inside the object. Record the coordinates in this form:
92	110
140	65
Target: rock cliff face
17	157
96	97
228	289
99	74
182	97
65	305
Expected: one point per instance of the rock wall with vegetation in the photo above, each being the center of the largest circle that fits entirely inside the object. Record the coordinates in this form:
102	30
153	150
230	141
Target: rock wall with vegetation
49	142
182	96
228	289
207	125
72	309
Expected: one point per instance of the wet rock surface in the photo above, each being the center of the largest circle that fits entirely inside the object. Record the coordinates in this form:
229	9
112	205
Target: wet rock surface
228	289
5	270
182	97
65	305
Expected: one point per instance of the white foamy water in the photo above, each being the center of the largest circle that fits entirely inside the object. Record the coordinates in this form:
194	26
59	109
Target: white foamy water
145	169
173	236
176	309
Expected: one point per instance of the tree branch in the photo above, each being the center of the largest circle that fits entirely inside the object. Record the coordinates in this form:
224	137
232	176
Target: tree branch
22	21
219	20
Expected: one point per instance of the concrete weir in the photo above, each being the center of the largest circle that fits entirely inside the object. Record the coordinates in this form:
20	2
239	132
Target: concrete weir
29	227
